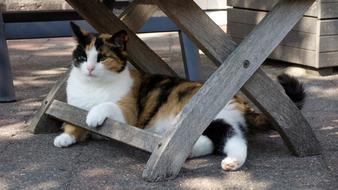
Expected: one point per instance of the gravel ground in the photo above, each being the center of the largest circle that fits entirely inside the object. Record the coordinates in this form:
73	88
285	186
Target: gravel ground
32	162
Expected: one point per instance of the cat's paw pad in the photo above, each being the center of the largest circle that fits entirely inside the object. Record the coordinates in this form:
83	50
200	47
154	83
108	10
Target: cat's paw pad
64	140
95	118
231	164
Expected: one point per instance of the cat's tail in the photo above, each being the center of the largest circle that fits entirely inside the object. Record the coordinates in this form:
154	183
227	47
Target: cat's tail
293	88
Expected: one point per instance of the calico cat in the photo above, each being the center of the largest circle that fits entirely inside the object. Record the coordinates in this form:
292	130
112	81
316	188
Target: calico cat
101	82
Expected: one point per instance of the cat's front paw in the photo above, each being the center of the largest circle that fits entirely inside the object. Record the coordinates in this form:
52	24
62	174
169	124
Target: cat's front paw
95	117
64	140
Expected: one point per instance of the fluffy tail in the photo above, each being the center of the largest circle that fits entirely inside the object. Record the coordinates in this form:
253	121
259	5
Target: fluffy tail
293	88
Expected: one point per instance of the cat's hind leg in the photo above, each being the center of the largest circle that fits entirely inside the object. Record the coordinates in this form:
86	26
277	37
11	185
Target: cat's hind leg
236	150
229	140
203	146
70	136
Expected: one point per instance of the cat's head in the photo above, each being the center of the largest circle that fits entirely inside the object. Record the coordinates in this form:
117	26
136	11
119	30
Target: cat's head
99	55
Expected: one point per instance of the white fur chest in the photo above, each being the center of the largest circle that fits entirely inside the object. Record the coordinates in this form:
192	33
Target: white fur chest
85	92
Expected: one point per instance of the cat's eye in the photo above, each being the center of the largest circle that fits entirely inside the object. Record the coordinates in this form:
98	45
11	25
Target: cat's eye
81	58
100	57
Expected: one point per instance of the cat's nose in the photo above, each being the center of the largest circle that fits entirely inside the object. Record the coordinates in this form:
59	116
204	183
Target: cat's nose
90	69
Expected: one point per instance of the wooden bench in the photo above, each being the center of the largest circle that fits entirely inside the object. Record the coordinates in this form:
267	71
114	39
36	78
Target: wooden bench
238	69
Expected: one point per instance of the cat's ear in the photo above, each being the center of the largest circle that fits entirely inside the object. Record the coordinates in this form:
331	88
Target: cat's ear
120	39
81	36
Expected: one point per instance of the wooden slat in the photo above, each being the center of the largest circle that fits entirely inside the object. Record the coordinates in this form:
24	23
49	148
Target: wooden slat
130	135
328	27
240	65
41	123
328	10
103	20
292	55
293	39
253	17
328	59
328	43
267	5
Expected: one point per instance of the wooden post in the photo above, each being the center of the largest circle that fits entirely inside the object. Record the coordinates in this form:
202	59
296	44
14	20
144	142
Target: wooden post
7	93
240	65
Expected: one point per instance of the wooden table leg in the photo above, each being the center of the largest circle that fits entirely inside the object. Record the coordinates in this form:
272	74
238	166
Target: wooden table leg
218	45
240	65
7	93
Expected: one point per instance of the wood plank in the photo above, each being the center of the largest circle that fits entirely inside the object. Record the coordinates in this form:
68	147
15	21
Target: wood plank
328	44
253	17
40	122
328	59
292	55
266	5
328	27
139	53
328	10
122	132
239	66
293	39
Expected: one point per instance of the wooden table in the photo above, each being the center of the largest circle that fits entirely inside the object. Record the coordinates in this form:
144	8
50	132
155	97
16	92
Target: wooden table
238	70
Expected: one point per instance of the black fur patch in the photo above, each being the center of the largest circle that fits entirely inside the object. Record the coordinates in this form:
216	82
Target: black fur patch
79	55
164	83
218	132
294	89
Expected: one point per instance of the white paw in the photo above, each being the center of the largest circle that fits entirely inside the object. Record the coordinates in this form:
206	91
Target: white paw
64	140
95	117
231	164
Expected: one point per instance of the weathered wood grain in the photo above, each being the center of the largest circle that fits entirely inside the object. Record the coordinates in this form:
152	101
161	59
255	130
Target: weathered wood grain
130	135
320	9
240	65
292	54
103	20
267	5
137	10
253	17
41	123
296	39
328	27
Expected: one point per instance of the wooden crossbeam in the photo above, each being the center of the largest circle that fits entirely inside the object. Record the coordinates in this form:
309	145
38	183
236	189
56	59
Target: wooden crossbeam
103	20
133	136
217	45
239	66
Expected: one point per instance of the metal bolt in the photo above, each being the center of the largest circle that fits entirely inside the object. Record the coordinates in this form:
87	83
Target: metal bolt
246	63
